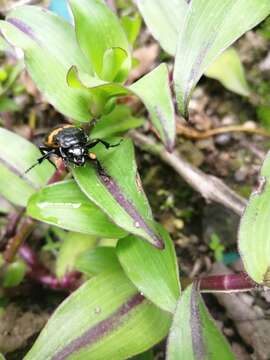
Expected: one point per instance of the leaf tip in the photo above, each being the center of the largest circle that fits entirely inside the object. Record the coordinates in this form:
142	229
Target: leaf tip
169	146
159	244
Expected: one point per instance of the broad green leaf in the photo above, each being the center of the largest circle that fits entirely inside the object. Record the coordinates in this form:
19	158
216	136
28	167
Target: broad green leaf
154	91
101	92
154	272
105	319
95	18
117	122
193	334
73	245
117	190
16	156
209	28
254	231
164	19
50	49
228	69
97	260
111	69
2	357
132	26
14	274
64	205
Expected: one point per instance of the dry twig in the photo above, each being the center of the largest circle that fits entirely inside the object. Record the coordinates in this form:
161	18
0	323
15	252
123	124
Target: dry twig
199	135
210	187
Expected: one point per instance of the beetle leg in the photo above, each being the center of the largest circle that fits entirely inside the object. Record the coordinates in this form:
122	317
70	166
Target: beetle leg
99	168
107	145
41	159
44	151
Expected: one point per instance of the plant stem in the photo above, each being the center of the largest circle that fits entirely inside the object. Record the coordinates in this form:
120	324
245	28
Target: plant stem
25	229
210	187
57	176
10	230
41	274
198	135
27	225
226	283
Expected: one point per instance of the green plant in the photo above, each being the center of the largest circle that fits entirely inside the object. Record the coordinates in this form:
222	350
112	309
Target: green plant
217	247
130	298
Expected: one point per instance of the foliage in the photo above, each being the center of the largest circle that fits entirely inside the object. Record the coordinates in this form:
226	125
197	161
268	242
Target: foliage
253	225
182	29
131	296
217	247
197	337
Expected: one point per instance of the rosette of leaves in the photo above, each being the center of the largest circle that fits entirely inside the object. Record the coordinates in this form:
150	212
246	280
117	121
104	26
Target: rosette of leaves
81	69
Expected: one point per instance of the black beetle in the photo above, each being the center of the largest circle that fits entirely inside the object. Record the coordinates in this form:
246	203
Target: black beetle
71	144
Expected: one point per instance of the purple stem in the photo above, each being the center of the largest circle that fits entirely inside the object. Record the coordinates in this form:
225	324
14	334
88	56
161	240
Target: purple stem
226	283
41	274
10	230
57	176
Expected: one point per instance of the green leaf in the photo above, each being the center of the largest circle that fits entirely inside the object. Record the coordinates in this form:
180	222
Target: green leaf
50	49
164	19
193	334
228	69
94	318
64	205
14	274
97	260
95	18
8	105
117	122
16	156
154	91
2	357
101	91
73	245
209	28
132	26
254	231
15	71
154	272
117	190
111	69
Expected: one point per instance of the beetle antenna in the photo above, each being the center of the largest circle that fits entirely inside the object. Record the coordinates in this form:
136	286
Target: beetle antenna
31	167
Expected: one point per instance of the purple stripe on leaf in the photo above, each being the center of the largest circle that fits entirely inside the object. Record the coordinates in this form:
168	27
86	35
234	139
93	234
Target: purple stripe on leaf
23	27
196	326
139	222
99	331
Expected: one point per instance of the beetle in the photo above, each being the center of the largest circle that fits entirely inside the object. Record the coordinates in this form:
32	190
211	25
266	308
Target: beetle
69	143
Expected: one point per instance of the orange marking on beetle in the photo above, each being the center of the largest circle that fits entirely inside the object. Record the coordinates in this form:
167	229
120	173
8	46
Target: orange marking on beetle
92	156
50	139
